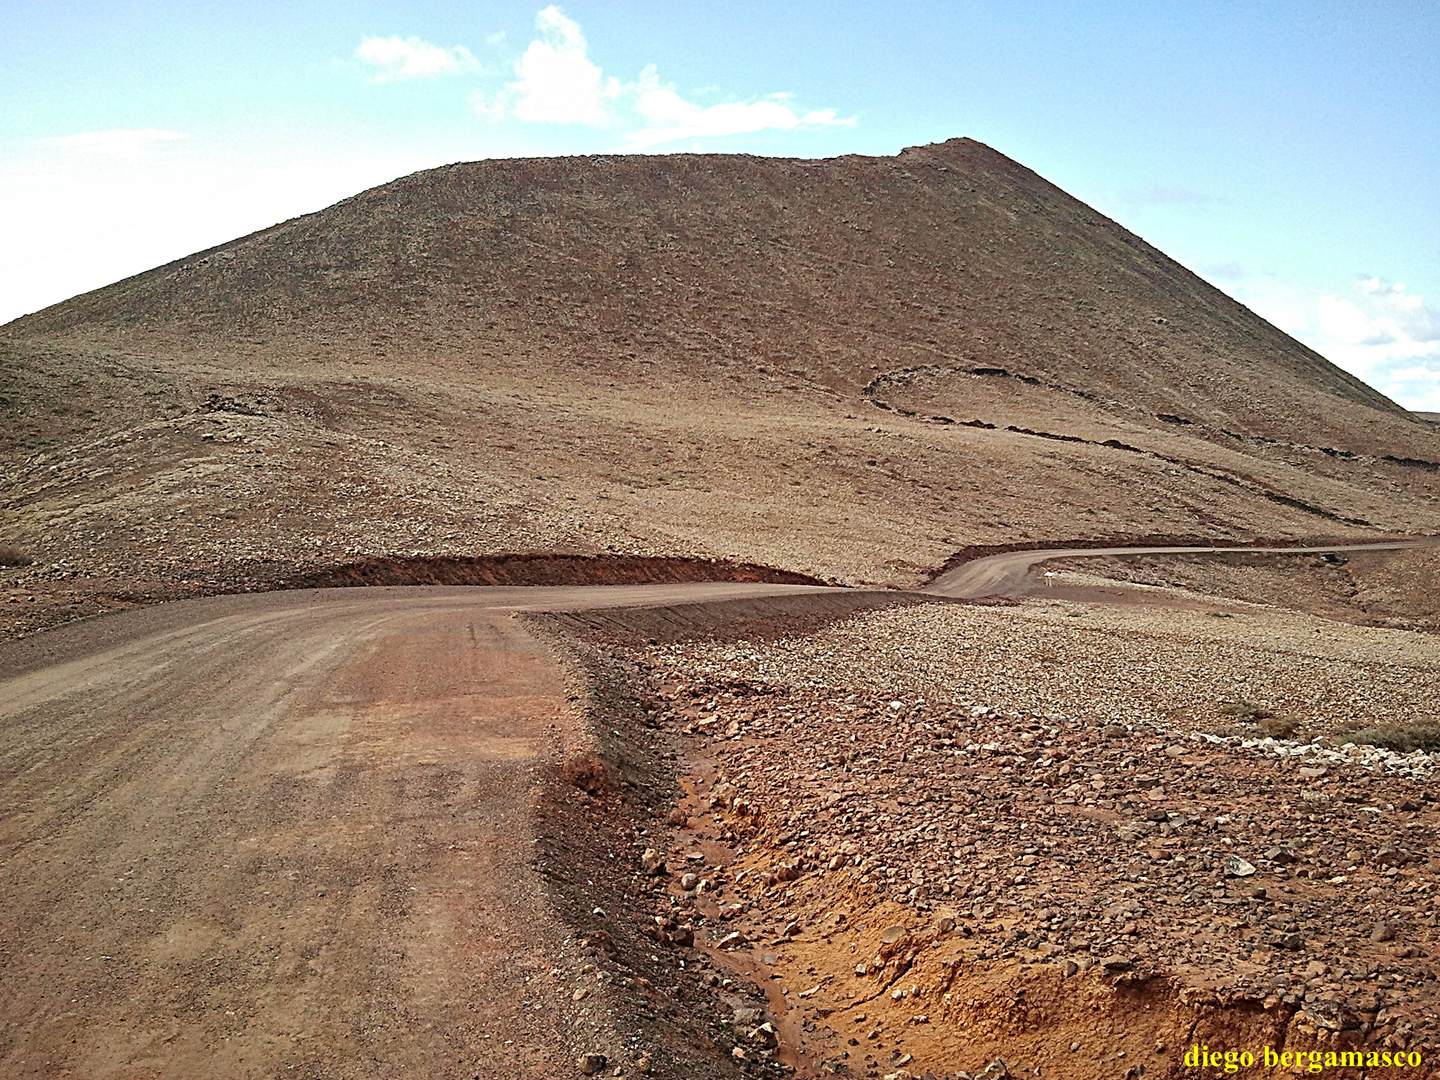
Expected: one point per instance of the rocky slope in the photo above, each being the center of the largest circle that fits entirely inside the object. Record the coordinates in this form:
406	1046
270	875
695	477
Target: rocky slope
846	368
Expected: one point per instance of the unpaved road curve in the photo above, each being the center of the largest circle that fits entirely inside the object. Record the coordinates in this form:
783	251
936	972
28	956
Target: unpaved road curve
286	835
1007	574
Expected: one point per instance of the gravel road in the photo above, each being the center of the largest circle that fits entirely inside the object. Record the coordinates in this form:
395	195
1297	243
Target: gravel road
1007	574
287	831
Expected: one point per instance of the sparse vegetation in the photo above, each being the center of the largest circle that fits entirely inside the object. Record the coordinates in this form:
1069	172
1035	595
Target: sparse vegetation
1401	737
10	555
1269	722
1279	727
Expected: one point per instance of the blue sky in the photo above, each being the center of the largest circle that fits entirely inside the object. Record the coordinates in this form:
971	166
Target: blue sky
1288	152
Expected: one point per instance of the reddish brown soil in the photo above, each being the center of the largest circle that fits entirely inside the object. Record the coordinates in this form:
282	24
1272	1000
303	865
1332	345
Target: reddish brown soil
34	602
539	570
618	961
312	860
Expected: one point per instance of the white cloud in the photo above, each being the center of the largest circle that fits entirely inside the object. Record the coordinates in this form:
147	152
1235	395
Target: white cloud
670	117
1343	322
117	140
1384	314
1406	315
557	83
411	58
1381	332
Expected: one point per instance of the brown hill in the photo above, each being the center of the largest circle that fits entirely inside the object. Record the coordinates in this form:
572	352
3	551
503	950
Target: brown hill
845	368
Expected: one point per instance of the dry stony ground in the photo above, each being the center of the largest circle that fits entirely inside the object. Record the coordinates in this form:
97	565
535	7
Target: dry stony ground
944	834
1398	589
210	487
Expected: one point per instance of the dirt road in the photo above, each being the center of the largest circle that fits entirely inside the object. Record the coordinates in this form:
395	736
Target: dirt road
285	835
289	834
1007	574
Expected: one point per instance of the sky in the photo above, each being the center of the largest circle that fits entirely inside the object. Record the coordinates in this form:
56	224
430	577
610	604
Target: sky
1289	153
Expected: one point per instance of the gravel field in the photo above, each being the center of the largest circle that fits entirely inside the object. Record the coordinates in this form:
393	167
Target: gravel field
1397	589
904	844
1112	664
